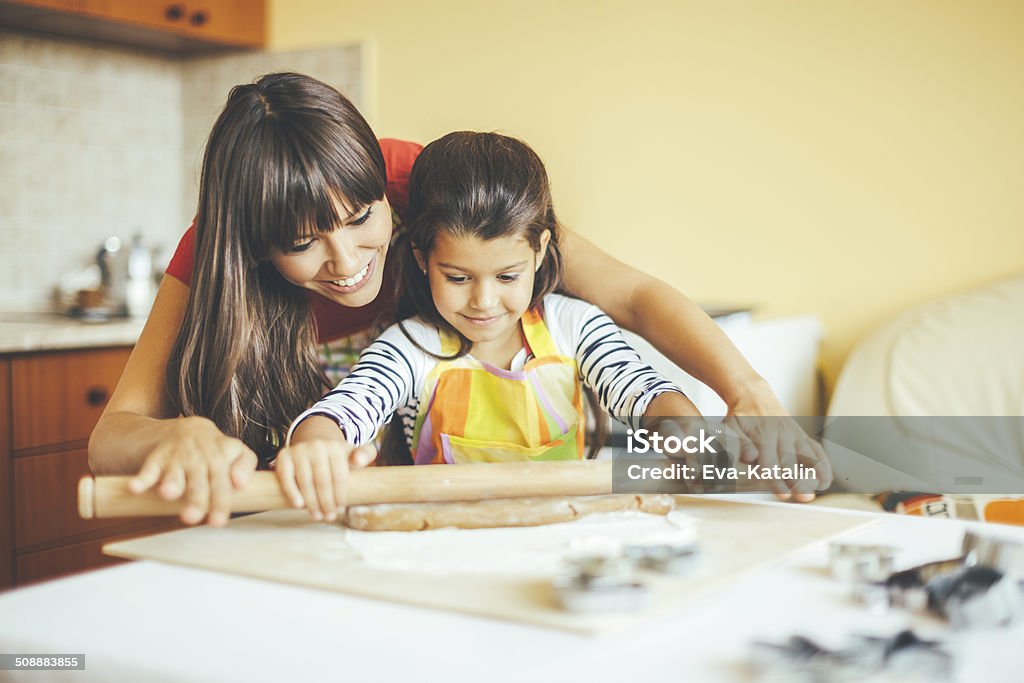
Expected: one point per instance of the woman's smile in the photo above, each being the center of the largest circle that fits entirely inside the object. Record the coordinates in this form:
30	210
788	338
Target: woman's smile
345	265
350	284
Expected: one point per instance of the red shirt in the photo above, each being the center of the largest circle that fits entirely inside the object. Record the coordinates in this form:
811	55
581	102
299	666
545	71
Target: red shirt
334	320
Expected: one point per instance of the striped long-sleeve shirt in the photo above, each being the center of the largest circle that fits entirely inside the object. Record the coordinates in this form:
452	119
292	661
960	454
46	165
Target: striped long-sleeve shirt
391	371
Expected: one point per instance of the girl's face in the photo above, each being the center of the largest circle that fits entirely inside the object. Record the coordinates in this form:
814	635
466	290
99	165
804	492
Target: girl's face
346	265
483	287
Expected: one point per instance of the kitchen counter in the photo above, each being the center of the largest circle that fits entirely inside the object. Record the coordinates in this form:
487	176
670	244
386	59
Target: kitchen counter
152	621
24	332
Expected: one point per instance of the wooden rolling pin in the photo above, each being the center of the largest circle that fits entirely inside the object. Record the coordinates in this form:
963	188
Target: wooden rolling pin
102	497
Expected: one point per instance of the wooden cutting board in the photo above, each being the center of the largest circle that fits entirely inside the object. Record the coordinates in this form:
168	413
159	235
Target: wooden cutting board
285	546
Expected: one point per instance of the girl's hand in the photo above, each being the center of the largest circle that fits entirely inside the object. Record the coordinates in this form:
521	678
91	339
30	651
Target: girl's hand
314	474
313	468
775	438
200	464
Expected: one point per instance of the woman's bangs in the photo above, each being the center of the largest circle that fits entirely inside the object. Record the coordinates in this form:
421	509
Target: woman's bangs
308	194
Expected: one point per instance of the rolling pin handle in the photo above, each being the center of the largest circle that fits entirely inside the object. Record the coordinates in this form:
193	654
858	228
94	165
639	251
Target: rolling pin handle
87	497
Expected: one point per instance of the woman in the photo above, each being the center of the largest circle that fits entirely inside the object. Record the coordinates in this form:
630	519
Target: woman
297	194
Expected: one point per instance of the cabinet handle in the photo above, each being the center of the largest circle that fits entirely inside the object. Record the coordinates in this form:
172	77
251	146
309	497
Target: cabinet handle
174	12
96	396
198	18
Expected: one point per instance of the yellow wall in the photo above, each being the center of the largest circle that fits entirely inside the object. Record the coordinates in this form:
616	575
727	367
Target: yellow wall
849	159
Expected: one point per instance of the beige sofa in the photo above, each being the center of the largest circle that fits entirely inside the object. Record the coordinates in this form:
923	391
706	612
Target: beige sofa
959	356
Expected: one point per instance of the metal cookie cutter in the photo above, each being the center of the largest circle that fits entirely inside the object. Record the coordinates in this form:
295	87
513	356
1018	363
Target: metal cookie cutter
908	589
665	558
857	563
979	589
976	597
600	583
902	656
998	553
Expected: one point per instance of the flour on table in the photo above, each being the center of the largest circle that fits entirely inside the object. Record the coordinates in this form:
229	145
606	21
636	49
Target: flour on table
536	551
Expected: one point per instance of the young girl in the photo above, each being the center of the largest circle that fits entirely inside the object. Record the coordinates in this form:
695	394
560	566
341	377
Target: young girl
490	367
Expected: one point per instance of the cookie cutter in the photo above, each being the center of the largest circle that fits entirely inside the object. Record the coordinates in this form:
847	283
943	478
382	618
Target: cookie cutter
976	597
858	562
979	589
903	655
989	551
600	583
665	558
908	589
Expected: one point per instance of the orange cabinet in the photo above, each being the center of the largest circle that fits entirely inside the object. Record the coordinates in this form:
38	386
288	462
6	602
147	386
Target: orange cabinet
6	497
231	22
58	397
170	25
67	5
49	403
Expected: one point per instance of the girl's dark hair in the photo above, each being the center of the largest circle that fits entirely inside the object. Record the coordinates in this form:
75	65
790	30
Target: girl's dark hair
485	185
481	184
284	157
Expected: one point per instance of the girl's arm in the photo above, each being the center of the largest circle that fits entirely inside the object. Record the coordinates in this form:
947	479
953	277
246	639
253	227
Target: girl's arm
625	385
183	457
337	432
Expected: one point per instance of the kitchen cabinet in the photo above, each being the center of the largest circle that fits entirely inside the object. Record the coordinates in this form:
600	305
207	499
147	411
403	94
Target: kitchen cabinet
67	5
167	25
49	403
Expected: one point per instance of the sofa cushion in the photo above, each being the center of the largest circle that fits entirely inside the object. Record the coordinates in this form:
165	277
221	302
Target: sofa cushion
961	356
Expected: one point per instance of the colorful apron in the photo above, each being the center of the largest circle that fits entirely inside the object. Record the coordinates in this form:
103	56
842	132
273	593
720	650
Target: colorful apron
471	411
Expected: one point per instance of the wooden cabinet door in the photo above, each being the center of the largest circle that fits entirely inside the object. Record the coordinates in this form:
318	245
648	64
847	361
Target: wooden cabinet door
233	22
56	562
46	498
228	22
6	493
58	397
163	14
65	5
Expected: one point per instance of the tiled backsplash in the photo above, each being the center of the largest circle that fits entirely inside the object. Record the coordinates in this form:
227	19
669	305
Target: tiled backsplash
98	141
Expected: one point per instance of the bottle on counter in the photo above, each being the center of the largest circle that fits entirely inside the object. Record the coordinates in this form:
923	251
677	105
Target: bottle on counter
139	289
111	260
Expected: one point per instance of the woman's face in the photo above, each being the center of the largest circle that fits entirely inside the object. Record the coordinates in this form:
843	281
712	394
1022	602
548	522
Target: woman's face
346	265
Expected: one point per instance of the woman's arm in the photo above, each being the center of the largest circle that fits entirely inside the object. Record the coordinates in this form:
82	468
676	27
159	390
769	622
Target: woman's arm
669	321
139	433
689	338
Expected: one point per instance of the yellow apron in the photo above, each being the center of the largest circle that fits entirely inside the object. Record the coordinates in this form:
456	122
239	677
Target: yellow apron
471	411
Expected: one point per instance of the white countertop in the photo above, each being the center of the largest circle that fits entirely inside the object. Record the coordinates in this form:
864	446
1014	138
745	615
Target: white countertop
27	332
155	622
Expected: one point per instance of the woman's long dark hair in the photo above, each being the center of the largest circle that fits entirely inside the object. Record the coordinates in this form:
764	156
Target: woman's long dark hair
487	186
284	154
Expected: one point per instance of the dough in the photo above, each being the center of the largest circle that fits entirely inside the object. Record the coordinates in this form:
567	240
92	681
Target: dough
537	552
498	513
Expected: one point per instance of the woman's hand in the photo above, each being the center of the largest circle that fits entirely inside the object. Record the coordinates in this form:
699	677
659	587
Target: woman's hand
775	438
313	469
196	462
